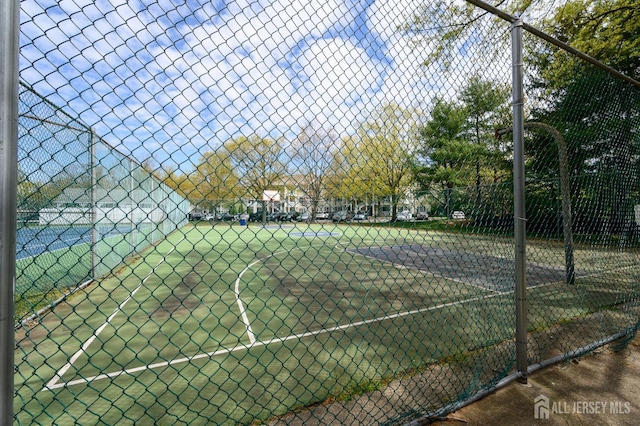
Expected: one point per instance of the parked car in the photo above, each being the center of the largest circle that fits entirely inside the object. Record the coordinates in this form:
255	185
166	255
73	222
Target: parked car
210	217
274	216
195	214
322	216
458	215
289	216
422	216
343	216
404	216
361	216
255	217
228	217
303	217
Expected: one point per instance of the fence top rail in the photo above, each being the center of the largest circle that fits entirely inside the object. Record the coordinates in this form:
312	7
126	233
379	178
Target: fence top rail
56	108
81	127
511	18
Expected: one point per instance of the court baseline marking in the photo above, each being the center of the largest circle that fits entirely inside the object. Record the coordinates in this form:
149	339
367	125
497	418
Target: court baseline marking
53	383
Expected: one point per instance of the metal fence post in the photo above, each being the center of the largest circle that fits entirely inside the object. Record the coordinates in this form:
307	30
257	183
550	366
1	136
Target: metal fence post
94	204
132	187
9	30
519	203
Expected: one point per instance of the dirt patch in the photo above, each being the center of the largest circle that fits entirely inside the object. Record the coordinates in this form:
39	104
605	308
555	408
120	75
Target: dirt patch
182	299
322	289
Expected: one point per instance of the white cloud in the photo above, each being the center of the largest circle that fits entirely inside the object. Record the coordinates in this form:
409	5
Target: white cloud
338	77
234	68
181	80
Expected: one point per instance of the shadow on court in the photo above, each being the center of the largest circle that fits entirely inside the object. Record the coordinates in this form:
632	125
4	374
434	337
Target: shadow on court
480	270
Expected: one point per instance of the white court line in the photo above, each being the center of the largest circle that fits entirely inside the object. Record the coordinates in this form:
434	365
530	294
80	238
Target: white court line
243	312
51	251
265	342
57	240
606	271
52	384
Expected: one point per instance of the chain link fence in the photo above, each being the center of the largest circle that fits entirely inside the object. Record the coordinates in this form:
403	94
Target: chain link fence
303	213
83	207
584	161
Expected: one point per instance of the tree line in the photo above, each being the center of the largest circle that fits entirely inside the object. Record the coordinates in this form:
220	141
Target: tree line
450	151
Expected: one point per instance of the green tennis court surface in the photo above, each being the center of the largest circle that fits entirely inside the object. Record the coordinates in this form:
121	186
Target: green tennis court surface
232	322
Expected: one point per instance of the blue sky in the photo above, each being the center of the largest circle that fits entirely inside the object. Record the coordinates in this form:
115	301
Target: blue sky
169	79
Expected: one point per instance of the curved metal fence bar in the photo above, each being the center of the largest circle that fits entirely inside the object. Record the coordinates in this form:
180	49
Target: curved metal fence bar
285	212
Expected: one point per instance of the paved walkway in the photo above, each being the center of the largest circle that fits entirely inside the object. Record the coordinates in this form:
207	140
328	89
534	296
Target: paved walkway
602	388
